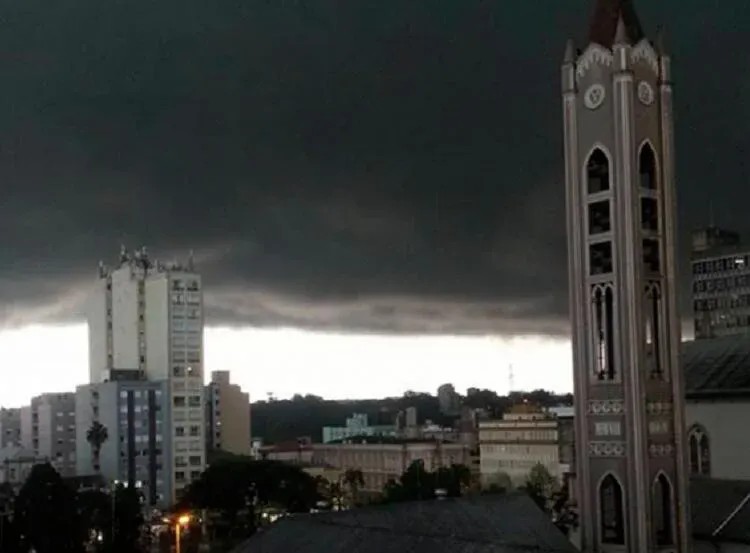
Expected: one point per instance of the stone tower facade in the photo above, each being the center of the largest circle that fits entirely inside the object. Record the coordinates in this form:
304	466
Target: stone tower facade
619	174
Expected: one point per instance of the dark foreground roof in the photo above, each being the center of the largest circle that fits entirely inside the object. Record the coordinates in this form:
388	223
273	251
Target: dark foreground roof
717	366
490	524
720	509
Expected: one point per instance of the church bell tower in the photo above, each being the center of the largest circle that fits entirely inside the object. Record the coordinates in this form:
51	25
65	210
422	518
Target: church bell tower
619	177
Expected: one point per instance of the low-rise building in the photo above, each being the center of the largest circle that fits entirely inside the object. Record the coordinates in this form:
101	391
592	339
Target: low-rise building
227	416
16	464
509	448
296	452
388	460
48	430
138	449
357	425
717	386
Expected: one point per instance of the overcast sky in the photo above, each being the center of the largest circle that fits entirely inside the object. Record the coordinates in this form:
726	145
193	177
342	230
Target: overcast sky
387	167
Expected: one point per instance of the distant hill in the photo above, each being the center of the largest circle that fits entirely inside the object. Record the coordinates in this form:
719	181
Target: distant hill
281	420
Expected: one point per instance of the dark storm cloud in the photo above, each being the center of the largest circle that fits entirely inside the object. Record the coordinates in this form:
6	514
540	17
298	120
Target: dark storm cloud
381	166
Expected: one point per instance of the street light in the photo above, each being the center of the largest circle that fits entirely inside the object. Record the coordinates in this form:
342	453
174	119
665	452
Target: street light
182	520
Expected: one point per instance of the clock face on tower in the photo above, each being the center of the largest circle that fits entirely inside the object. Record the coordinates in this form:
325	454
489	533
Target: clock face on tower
594	96
645	93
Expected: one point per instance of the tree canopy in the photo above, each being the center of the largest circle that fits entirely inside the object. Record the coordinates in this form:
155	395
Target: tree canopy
417	483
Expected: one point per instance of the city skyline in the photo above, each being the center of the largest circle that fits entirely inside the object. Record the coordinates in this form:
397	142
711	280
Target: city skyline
397	195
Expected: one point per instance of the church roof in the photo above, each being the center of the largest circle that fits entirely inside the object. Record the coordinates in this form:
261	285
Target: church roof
720	509
509	523
717	366
607	13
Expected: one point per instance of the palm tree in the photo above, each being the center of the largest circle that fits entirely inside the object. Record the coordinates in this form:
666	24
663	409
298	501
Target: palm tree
96	435
354	479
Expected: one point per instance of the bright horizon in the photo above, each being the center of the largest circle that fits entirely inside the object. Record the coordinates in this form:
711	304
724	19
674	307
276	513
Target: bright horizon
284	361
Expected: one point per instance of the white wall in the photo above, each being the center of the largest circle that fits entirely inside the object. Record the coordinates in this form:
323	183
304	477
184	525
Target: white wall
125	319
97	326
726	422
157	327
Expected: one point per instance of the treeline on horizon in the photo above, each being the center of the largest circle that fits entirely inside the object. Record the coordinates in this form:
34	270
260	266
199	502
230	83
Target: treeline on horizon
278	421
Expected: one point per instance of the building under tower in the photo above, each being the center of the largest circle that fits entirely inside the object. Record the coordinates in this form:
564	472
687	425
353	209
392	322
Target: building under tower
619	174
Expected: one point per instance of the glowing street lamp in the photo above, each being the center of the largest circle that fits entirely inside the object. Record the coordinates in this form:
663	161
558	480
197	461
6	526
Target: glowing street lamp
182	520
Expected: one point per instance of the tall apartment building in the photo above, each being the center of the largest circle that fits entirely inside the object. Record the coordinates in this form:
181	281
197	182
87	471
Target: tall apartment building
227	415
721	284
138	448
147	317
524	437
10	427
48	430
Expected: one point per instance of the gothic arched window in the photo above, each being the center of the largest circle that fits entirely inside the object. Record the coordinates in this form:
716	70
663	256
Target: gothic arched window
700	451
652	323
604	332
597	172
662	510
611	516
647	167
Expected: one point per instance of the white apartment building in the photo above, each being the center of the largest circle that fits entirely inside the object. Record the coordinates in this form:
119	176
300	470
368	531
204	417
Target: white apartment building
147	317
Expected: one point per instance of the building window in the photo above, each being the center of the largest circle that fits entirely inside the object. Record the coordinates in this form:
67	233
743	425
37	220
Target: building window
599	217
195	430
647	167
597	172
662	510
611	511
651	255
195	460
600	258
700	451
195	401
603	317
649	214
653	330
179	401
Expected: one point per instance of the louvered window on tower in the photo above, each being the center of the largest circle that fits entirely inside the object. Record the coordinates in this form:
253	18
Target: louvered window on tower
651	255
647	163
599	217
600	258
649	214
597	171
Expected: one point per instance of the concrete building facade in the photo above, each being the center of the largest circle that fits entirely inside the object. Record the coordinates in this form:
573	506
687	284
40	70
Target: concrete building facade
620	195
511	447
381	462
227	416
146	317
10	427
721	284
138	448
48	430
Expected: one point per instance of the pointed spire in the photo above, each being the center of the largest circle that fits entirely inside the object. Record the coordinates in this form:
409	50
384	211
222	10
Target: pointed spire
621	34
570	52
660	40
605	20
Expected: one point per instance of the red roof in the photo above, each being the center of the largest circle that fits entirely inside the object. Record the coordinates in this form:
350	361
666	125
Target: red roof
604	22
